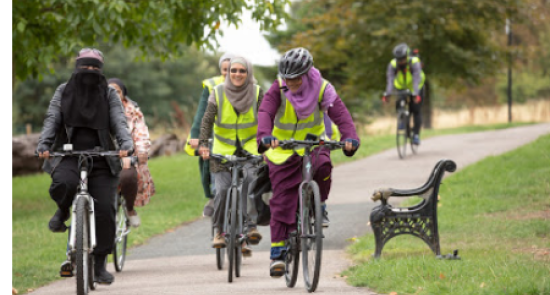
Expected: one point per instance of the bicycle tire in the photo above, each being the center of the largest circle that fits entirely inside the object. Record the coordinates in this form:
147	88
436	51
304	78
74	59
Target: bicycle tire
82	244
232	231
238	232
292	259
312	246
121	240
401	136
91	276
220	258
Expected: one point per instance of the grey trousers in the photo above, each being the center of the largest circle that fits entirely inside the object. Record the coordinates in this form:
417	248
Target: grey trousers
222	181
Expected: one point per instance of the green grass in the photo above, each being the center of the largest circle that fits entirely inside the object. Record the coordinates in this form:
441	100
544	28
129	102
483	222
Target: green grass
496	212
37	253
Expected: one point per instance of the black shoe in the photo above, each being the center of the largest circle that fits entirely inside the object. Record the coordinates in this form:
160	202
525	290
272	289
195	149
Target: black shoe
67	269
101	275
57	222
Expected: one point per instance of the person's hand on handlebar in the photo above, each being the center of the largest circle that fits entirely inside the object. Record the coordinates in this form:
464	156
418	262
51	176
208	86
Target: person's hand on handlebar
384	97
351	144
270	142
204	152
194	143
417	99
126	161
44	155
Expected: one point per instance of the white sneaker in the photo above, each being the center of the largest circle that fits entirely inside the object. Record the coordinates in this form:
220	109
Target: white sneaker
134	220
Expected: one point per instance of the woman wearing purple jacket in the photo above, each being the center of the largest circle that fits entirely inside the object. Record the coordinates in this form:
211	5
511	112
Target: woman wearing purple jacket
296	105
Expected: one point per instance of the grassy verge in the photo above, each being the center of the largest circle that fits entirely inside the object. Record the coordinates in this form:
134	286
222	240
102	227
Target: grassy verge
496	212
37	253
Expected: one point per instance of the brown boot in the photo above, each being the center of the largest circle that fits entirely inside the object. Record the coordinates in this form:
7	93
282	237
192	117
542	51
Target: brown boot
218	241
247	252
254	236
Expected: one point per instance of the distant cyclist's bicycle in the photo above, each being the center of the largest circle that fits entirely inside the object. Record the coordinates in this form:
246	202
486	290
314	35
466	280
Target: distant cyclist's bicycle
404	130
308	237
82	237
234	218
122	229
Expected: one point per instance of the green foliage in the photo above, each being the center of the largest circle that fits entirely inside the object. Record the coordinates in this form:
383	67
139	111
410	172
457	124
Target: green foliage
47	30
501	233
460	42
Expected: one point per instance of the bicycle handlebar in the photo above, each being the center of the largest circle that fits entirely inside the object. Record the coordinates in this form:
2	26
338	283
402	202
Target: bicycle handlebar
90	153
292	143
235	159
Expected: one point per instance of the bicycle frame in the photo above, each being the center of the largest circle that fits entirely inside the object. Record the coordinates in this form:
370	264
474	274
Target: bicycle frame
83	193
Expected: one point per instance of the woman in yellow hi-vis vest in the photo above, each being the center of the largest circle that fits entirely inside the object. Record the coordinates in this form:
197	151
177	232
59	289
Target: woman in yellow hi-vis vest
295	105
232	115
193	138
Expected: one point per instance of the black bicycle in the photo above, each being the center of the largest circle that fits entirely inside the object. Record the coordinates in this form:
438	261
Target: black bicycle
234	218
308	237
404	130
82	237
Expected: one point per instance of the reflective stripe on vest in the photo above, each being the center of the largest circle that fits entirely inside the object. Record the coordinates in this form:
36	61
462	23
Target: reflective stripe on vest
287	126
212	82
401	81
228	125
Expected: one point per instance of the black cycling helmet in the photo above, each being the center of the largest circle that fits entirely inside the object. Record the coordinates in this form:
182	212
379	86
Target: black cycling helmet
294	63
401	51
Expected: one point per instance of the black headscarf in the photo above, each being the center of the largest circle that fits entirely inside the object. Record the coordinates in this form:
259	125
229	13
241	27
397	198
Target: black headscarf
118	82
84	101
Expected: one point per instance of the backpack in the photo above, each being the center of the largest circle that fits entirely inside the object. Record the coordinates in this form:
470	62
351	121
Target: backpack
259	191
414	53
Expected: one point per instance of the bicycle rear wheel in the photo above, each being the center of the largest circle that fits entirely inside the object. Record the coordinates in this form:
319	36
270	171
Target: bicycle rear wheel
121	238
312	243
414	147
401	135
82	246
232	233
292	259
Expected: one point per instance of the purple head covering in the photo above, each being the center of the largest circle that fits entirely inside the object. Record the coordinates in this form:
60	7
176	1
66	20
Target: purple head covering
307	96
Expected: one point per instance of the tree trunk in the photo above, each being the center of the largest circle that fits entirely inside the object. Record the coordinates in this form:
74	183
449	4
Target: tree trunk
427	106
23	159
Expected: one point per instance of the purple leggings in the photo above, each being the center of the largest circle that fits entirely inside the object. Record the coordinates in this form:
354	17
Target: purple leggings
285	181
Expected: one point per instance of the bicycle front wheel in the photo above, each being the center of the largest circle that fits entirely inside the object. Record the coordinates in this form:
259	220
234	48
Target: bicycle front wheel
292	259
232	233
121	238
312	238
401	135
82	246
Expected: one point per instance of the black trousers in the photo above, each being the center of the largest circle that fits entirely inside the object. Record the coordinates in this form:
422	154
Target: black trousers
102	186
415	110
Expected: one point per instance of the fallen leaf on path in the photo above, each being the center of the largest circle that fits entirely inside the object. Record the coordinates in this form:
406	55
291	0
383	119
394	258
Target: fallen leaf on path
170	231
393	293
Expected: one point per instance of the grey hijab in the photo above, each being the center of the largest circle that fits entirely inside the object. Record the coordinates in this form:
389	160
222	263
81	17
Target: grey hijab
241	97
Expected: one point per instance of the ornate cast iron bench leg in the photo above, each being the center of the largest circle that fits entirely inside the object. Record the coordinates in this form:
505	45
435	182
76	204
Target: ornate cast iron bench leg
419	220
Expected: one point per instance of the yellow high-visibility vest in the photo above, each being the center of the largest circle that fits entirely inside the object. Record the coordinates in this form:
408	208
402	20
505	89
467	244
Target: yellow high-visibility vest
230	126
287	126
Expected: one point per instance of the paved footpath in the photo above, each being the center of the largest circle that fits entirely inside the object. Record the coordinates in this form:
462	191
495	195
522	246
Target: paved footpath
182	262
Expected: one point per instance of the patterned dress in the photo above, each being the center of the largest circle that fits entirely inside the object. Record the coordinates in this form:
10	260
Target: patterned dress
140	134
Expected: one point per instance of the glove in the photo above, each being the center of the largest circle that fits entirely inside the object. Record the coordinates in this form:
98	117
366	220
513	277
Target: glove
354	143
266	141
384	99
417	99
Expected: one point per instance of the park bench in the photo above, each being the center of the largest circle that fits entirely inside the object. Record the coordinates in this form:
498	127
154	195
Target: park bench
419	220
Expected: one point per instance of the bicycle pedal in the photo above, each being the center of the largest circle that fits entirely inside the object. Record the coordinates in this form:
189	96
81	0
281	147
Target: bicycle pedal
66	270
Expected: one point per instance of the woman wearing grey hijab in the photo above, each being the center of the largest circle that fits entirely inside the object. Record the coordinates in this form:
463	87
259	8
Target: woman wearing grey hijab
193	139
236	101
